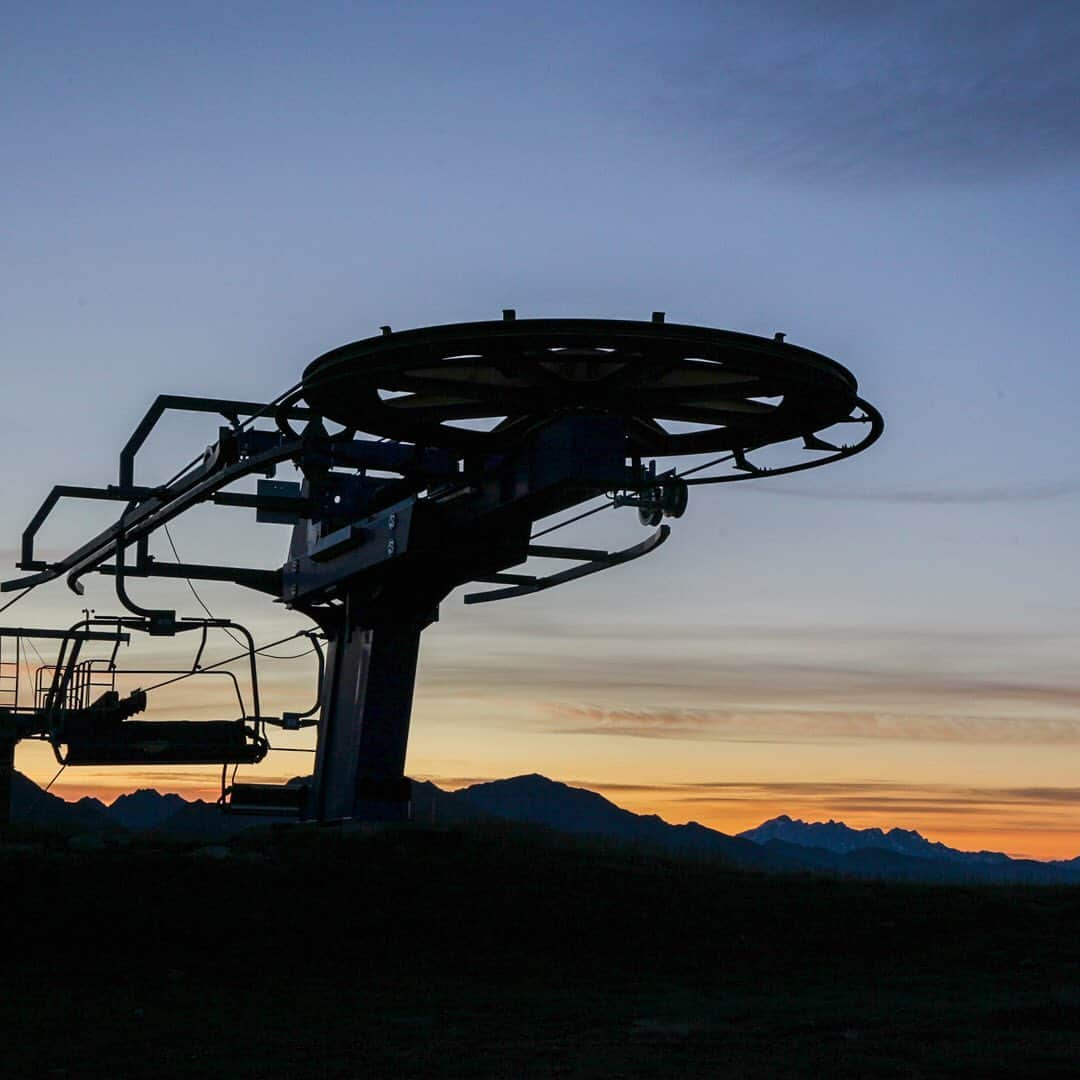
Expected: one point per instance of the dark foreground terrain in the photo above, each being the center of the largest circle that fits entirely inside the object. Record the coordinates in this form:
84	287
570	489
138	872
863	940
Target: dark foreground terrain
500	950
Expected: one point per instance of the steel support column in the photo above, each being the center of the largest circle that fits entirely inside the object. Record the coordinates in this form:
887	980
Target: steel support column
364	724
7	772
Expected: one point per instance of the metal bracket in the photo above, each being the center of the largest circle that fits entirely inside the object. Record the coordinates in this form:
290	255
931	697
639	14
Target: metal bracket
592	562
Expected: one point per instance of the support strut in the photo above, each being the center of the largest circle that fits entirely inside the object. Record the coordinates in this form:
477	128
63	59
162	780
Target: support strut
7	773
364	721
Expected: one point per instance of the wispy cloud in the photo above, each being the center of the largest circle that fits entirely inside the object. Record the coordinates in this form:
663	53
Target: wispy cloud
968	89
877	792
1016	819
991	679
763	725
944	497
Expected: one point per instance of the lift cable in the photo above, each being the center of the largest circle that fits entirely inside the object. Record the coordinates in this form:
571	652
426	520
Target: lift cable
56	777
239	427
570	521
202	603
37	651
45	790
707	465
610	504
288	656
25	591
43	662
232	660
195	592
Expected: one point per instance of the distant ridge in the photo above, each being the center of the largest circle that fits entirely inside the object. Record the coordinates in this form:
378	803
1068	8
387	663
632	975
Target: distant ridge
536	800
781	845
145	808
837	837
30	803
899	855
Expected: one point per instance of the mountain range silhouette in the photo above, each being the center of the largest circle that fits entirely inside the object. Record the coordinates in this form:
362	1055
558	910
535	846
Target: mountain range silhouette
781	845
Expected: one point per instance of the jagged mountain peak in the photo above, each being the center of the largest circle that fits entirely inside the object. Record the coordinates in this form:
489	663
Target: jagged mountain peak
145	808
835	836
781	844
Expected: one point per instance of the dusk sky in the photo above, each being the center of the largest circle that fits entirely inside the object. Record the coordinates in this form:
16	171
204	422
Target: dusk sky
200	199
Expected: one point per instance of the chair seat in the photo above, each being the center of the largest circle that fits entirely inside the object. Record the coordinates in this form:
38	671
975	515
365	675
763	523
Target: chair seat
165	742
277	800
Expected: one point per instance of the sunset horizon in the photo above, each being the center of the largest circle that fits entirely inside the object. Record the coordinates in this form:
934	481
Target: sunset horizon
568	440
1041	837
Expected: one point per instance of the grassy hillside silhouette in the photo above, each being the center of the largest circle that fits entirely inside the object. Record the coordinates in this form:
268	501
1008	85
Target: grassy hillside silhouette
495	949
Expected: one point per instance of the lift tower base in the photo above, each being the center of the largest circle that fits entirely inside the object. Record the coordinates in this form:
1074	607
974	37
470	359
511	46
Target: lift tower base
366	706
7	776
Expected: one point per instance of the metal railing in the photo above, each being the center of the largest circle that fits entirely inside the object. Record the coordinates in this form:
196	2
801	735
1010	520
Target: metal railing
89	680
9	676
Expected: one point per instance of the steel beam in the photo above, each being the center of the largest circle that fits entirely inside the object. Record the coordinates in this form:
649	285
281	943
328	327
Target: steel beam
267	581
226	408
60	635
7	775
364	721
154	512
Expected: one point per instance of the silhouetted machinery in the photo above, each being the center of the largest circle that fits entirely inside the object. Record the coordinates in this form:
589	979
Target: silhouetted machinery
480	430
79	710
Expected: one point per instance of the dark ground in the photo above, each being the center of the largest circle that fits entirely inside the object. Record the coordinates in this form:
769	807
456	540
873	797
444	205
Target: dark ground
507	951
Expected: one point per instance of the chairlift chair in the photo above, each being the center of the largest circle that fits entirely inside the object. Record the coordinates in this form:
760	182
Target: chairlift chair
88	721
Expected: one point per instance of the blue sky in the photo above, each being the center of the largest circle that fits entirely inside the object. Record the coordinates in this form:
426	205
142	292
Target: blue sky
200	200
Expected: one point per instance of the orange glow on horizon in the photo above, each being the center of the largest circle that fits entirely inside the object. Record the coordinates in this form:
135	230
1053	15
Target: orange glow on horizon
1042	833
1029	837
971	793
109	793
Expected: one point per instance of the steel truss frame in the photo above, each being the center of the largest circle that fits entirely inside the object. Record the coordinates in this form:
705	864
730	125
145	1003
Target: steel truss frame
383	529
